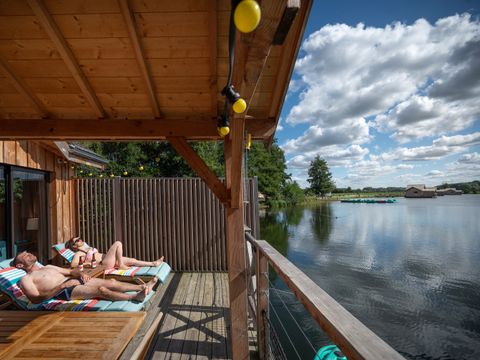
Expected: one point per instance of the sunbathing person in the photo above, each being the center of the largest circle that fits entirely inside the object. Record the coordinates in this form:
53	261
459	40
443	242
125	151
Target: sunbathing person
112	259
43	283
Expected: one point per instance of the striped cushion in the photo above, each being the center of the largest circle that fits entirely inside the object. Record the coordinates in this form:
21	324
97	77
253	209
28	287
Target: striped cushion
67	254
10	277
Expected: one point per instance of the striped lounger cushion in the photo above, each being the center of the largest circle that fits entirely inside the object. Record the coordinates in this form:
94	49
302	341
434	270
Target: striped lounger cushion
9	278
161	272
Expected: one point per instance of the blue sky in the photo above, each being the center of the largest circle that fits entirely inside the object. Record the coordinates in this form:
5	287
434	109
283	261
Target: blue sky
388	92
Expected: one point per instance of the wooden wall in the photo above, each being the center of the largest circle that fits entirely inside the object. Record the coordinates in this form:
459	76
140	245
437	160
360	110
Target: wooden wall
30	154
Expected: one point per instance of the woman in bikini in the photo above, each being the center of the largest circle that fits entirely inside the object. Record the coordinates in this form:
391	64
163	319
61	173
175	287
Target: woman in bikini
112	259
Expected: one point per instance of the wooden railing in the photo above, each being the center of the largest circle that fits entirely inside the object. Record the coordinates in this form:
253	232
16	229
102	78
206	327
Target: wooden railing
354	339
179	218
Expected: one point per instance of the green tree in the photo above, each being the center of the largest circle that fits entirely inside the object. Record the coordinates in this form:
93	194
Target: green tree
319	177
269	166
292	193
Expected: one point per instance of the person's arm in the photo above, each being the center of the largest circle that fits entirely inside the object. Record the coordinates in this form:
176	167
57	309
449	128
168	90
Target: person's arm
73	273
31	291
75	260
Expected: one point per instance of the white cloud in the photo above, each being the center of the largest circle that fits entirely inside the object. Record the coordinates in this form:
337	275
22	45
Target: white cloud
441	147
351	72
472	158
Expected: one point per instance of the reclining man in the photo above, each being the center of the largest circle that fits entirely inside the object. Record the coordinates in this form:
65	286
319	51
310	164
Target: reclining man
43	283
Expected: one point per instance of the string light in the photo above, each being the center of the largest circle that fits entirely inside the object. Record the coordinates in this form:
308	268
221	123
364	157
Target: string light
249	141
112	175
100	176
125	173
247	16
157	159
141	168
238	104
223	126
90	174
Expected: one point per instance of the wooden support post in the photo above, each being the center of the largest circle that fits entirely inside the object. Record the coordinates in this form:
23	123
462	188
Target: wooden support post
262	302
236	249
117	209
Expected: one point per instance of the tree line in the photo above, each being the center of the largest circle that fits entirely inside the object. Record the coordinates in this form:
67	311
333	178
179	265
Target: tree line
159	159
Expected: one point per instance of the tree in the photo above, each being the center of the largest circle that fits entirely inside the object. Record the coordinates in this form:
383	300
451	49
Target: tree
320	178
292	193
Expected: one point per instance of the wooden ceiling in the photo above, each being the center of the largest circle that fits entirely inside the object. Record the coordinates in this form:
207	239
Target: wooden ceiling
138	69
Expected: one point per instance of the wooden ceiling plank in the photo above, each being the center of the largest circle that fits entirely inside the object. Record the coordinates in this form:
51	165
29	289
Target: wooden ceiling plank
23	89
213	56
122	129
66	53
137	47
181	145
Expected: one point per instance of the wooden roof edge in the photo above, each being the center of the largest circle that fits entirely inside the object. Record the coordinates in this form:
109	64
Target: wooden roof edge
305	14
78	154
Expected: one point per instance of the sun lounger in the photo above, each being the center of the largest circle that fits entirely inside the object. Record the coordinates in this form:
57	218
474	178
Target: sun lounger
10	276
143	272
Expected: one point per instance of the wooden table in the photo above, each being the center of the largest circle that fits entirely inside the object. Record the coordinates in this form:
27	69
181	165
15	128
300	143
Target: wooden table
97	272
66	335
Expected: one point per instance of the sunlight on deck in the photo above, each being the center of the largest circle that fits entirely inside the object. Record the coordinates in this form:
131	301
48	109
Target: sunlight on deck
195	324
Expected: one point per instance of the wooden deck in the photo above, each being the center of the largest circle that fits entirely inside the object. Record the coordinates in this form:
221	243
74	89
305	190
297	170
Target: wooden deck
195	319
66	335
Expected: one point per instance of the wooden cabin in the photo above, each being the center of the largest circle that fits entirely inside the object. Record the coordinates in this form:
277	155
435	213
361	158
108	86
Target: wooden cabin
154	70
420	191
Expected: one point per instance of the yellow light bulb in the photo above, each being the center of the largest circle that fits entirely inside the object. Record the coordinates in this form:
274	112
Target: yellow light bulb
81	171
249	141
223	131
247	16
141	168
100	176
239	106
90	174
112	175
157	159
125	173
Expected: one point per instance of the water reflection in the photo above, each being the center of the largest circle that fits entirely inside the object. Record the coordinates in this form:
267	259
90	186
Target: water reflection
321	221
410	271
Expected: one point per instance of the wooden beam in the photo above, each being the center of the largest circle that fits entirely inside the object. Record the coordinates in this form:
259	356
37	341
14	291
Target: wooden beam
121	129
199	166
137	47
355	340
235	182
284	74
236	254
66	53
212	35
22	88
286	21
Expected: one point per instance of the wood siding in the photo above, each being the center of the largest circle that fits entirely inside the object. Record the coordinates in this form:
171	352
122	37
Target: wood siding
33	155
179	218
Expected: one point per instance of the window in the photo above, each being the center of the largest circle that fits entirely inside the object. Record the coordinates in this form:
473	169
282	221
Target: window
23	212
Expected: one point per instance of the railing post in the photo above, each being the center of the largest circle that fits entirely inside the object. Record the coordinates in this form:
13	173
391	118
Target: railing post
262	302
117	209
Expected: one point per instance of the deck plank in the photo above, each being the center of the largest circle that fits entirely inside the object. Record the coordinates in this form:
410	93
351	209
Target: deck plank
195	320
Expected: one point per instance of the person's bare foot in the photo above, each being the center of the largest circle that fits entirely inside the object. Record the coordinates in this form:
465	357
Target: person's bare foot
140	296
158	262
149	285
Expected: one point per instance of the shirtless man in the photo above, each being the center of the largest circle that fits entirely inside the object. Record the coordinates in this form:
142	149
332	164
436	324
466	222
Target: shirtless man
42	283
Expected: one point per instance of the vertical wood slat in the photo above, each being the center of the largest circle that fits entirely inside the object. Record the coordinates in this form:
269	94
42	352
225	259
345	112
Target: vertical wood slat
175	217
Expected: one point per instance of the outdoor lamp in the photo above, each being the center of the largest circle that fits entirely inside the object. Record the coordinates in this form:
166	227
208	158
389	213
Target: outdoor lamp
90	174
112	175
249	141
247	16
238	104
141	168
125	173
223	127
100	176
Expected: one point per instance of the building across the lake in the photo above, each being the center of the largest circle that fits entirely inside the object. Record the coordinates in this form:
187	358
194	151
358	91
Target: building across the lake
420	191
449	191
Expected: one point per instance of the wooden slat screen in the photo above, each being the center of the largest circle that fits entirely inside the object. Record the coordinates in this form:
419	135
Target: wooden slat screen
179	218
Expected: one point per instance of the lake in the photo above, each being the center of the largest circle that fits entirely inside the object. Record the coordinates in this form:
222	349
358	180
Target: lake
410	271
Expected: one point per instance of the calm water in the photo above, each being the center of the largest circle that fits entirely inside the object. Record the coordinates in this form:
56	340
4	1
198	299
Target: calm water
410	271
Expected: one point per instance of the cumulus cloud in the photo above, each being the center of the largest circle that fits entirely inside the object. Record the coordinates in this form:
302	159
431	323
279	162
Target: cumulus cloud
472	158
351	72
334	155
441	147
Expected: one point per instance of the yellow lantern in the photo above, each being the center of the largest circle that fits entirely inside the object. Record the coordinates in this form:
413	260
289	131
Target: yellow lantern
223	131
239	106
112	175
81	171
125	173
141	168
90	174
249	141
100	176
157	159
247	16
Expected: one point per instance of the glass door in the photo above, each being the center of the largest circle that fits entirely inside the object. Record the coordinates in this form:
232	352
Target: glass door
29	218
3	229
